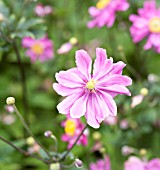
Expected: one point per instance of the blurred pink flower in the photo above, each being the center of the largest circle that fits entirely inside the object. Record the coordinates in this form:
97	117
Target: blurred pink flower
126	150
134	163
153	164
104	13
73	128
101	164
38	49
136	100
65	48
41	10
124	124
9	108
147	24
111	120
91	95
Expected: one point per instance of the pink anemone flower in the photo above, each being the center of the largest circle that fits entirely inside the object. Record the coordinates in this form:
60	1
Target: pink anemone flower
153	164
41	10
134	163
73	128
91	95
147	24
101	164
38	49
104	13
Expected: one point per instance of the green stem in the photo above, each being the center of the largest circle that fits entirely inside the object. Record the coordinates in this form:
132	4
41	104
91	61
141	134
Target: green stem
21	150
56	142
23	81
65	155
29	131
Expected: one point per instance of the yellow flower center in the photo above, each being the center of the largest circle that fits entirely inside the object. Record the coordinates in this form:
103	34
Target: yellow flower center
154	25
70	127
90	85
102	3
37	48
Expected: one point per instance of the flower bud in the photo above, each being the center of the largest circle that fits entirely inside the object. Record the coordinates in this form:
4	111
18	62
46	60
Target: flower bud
78	163
1	17
48	134
96	136
144	91
73	40
127	150
143	152
54	166
10	100
30	141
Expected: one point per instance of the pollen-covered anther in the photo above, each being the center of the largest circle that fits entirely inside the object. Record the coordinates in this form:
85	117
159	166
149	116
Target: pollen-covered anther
37	48
154	25
102	3
91	85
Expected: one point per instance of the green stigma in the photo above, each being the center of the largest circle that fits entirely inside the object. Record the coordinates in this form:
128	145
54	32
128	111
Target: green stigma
90	85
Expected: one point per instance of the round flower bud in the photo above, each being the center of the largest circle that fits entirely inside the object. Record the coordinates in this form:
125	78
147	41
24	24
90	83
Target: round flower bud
120	48
48	134
102	150
73	40
96	136
143	152
30	141
54	166
10	100
78	163
144	91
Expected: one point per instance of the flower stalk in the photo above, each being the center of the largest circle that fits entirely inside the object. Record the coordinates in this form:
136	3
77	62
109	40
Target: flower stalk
29	131
69	150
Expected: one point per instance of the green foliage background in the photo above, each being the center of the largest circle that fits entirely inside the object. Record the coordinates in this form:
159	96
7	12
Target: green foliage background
69	19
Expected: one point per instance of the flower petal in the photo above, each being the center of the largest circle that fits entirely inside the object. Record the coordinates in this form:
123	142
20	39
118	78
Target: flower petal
90	114
102	65
69	79
28	42
67	103
119	89
110	103
117	68
109	80
79	107
101	109
84	63
66	91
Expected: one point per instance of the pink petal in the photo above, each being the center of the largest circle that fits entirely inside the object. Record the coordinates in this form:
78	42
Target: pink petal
69	79
28	42
66	91
110	103
155	39
79	107
117	68
101	109
115	79
67	103
148	44
102	65
93	11
84	63
90	113
119	89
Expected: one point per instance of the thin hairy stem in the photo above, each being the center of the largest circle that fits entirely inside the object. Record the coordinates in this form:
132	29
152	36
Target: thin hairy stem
65	155
29	131
23	81
21	150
